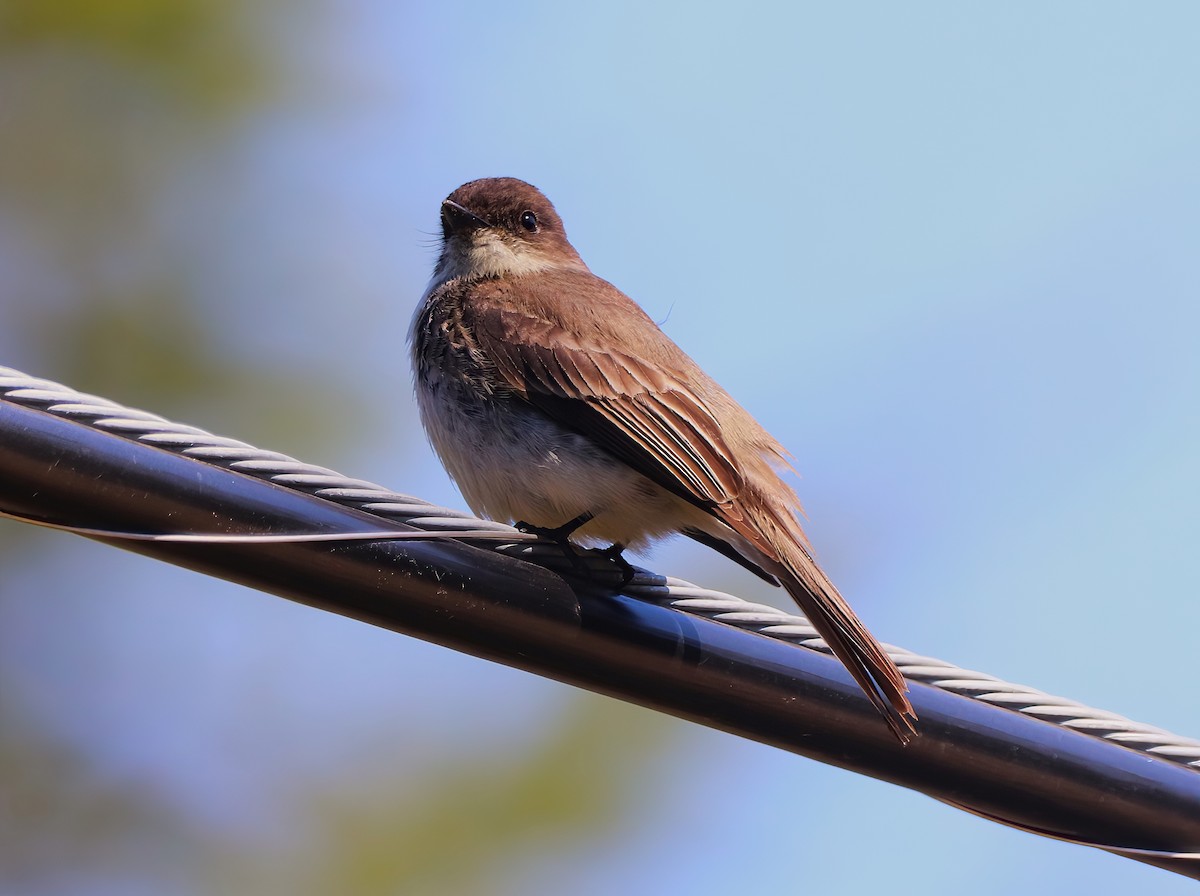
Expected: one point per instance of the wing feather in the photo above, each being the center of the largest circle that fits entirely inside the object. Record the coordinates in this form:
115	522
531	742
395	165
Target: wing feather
644	417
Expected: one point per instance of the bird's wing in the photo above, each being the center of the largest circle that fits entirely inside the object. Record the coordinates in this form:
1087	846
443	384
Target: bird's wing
637	408
637	411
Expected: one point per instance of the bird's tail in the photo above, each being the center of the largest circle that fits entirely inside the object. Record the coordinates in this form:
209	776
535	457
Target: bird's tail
851	643
785	554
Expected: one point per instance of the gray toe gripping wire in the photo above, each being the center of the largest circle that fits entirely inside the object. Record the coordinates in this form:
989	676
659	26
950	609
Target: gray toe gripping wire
141	426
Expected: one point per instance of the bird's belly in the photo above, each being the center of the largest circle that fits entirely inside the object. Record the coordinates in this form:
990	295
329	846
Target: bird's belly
514	463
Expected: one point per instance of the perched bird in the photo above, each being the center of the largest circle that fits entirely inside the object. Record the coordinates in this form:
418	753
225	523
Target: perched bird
555	401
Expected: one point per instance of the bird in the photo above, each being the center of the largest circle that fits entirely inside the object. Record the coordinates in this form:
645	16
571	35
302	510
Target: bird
556	403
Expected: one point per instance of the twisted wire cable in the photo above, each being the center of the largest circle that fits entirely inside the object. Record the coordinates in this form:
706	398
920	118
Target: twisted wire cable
190	441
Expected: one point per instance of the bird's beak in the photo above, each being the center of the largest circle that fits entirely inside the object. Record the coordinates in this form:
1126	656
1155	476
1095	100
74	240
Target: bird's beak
456	218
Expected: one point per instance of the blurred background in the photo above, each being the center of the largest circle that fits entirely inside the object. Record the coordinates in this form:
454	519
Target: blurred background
947	254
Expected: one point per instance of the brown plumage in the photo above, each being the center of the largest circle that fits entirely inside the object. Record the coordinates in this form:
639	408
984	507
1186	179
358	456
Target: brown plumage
549	393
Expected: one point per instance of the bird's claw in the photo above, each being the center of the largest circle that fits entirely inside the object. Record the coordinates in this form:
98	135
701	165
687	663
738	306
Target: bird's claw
561	536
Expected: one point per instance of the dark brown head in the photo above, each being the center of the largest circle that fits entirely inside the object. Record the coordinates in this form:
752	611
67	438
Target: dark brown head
501	226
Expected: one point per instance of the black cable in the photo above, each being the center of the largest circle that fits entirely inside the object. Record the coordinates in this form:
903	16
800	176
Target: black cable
988	760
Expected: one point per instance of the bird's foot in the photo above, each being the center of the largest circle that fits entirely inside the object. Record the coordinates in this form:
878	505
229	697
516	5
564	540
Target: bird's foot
615	553
558	534
561	536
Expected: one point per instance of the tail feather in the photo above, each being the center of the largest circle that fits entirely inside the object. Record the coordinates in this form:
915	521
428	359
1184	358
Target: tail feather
783	552
857	648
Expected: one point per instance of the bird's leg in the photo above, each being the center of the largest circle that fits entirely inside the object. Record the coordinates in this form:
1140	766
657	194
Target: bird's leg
561	536
616	553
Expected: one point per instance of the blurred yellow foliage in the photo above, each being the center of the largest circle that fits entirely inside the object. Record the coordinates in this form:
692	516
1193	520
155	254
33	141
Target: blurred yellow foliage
201	50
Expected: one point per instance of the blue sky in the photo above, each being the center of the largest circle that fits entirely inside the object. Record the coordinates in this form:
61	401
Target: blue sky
947	253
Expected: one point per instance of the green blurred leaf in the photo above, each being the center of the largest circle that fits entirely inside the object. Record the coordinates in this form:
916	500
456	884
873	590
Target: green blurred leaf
200	50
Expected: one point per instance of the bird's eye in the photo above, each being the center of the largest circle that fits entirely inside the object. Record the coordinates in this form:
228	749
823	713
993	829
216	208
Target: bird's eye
529	221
